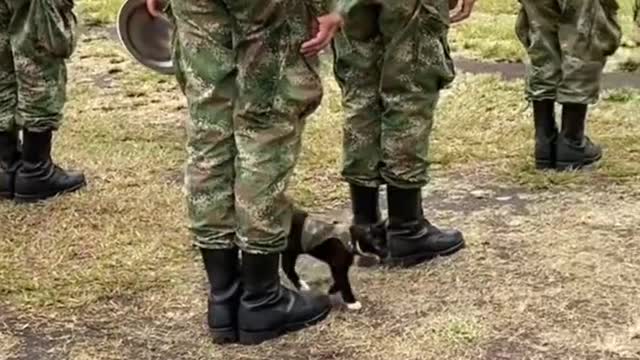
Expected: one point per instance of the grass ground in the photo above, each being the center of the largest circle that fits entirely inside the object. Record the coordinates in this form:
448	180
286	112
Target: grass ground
551	271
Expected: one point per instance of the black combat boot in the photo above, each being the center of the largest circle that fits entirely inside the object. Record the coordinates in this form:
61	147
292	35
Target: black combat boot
223	272
411	238
9	163
546	134
38	178
367	219
267	309
575	150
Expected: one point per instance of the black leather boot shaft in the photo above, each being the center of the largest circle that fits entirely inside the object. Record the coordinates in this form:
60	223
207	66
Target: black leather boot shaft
405	206
267	309
574	150
9	162
36	146
546	133
8	147
368	230
364	204
544	118
38	177
411	238
223	273
574	117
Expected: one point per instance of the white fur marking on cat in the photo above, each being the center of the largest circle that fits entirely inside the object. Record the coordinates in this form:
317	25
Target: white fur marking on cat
304	286
355	306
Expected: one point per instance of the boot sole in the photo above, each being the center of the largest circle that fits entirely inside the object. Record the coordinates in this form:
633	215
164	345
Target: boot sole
31	198
544	165
223	335
6	196
568	166
258	337
416	259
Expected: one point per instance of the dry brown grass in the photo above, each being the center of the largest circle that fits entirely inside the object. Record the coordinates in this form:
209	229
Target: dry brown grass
8	344
551	271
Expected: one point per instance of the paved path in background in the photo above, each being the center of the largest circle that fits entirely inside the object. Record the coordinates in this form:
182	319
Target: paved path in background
514	71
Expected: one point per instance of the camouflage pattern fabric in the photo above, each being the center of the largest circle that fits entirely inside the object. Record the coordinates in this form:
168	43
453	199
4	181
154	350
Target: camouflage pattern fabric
315	231
36	36
635	32
249	91
568	43
392	60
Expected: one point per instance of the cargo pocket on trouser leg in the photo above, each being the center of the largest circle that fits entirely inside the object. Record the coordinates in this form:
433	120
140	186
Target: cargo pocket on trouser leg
53	26
300	86
44	37
522	28
432	53
175	48
606	32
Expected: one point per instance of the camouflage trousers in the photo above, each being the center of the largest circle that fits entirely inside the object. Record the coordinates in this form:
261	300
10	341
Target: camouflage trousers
36	36
391	62
636	13
568	42
249	91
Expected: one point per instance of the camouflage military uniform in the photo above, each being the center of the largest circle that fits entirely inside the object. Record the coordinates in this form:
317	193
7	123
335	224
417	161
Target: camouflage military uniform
249	90
36	36
568	43
635	32
391	63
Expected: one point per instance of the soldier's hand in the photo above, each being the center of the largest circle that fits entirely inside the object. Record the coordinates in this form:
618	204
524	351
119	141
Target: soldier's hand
154	7
464	12
324	30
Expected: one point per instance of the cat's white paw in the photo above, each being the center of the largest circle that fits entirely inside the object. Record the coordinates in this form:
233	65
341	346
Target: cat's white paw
304	286
355	306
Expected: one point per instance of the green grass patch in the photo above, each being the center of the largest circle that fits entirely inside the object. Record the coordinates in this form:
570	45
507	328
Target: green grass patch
98	12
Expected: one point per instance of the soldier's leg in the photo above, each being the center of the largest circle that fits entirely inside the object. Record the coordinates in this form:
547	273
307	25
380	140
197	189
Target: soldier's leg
206	71
585	51
278	88
44	38
358	53
537	29
635	32
415	68
8	104
8	84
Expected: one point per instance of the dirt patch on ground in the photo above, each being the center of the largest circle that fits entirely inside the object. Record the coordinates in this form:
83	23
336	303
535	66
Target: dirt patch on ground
522	290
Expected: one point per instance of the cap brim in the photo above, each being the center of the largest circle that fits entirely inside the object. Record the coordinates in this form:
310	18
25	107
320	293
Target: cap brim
134	24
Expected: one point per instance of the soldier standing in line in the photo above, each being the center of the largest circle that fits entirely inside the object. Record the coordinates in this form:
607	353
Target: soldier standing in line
36	37
392	60
636	23
249	75
568	43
